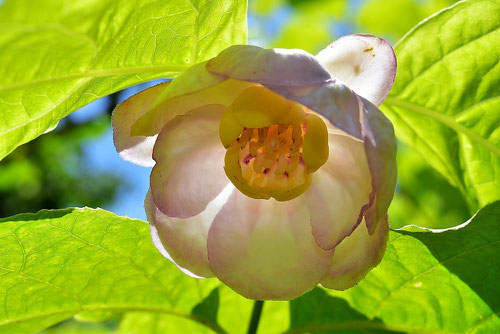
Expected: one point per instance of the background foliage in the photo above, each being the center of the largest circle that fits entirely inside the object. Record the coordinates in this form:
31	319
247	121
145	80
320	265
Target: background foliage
91	271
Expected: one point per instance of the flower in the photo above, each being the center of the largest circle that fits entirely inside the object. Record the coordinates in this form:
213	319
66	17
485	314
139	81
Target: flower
272	169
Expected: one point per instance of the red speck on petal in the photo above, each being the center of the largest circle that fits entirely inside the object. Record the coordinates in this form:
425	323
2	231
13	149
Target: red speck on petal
247	159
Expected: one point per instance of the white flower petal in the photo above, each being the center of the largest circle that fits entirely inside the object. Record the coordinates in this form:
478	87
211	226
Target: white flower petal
136	149
189	170
366	63
356	256
269	66
338	191
380	147
184	241
264	249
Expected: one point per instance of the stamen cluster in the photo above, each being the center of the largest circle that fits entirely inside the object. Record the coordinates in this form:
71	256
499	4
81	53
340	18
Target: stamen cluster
271	157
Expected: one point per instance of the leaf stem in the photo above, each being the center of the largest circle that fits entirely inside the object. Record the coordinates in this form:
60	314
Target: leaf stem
254	320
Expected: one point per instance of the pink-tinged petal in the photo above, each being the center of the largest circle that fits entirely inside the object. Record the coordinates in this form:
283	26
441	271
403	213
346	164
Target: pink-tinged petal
192	89
338	191
333	100
194	79
356	256
189	170
269	66
358	117
184	241
381	148
137	149
366	63
264	249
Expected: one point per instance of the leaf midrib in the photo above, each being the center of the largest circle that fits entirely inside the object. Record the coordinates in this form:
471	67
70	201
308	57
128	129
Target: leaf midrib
445	120
437	265
362	325
102	73
122	308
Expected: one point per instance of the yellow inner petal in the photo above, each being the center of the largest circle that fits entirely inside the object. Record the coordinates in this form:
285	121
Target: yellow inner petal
272	144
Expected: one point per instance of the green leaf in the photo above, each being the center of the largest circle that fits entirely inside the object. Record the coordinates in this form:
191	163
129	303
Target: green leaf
445	282
393	18
155	323
318	312
76	327
313	39
232	311
152	323
445	103
207	310
57	56
389	17
424	197
57	264
263	7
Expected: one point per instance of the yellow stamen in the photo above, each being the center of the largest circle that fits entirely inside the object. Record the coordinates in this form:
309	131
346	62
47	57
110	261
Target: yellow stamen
277	148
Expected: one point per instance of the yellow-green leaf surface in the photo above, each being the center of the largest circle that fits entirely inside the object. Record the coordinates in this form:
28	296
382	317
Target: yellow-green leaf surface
57	264
63	263
57	56
445	100
393	18
231	311
432	281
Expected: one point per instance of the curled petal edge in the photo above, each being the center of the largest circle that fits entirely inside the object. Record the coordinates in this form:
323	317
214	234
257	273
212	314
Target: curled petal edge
366	63
380	147
290	67
136	149
356	256
192	89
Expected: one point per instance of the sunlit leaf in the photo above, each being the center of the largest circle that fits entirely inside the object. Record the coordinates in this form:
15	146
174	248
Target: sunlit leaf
57	56
318	312
333	8
443	282
222	306
56	264
394	18
152	323
76	327
265	6
232	313
423	196
313	39
445	103
390	18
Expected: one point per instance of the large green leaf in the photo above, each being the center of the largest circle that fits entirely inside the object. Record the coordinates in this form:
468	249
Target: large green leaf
230	310
313	39
424	197
57	56
152	323
428	282
431	282
393	18
57	264
85	262
445	100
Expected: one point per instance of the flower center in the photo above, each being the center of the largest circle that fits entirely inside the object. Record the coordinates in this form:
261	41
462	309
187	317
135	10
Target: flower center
271	158
272	145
